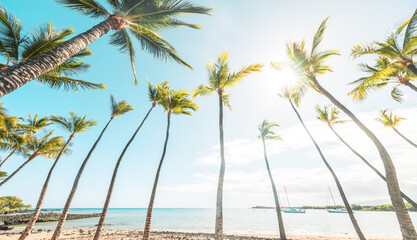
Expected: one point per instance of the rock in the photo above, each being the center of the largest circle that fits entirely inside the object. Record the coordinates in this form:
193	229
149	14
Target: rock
17	219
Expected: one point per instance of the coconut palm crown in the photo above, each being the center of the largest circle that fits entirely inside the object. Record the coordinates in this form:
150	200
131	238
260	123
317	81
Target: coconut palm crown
142	20
17	46
74	124
329	115
176	101
221	77
388	119
399	47
266	132
119	108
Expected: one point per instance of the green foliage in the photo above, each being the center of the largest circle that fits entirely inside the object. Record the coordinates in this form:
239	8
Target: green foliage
119	108
266	132
356	207
329	115
8	203
143	20
388	119
221	77
175	101
18	47
74	123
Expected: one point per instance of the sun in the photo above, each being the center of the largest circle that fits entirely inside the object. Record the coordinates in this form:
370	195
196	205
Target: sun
282	78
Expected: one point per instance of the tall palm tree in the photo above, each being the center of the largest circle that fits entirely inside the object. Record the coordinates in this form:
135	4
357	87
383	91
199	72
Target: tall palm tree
154	97
18	47
266	133
41	144
74	124
142	19
382	74
392	121
330	116
220	79
310	64
294	95
118	108
399	47
173	102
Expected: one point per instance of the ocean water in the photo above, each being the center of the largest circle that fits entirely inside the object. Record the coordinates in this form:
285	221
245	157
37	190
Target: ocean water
242	221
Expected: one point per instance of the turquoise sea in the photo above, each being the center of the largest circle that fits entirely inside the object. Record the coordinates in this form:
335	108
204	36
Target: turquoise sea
242	221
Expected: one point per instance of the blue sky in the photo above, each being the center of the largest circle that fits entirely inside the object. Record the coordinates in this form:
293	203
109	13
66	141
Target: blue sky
252	33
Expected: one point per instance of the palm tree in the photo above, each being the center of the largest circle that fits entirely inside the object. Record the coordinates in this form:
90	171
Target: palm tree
399	47
330	116
154	97
173	102
382	74
18	47
392	121
294	95
74	124
220	79
268	134
140	18
40	145
17	146
309	64
118	108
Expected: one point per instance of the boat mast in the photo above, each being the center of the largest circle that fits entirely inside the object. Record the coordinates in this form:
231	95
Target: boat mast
288	201
332	198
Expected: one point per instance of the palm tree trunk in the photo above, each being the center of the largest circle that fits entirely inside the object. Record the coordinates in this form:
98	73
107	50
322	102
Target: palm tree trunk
147	229
17	170
406	225
64	213
277	205
339	186
7	158
412	86
113	179
406	139
408	199
219	204
38	208
19	74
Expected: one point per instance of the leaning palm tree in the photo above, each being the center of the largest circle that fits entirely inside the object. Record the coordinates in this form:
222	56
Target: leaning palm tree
381	75
220	79
174	102
399	47
142	19
74	124
154	97
118	108
392	121
294	96
18	47
268	134
310	64
330	116
41	144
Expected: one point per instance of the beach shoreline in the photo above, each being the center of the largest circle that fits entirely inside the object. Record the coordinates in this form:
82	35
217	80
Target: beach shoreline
127	234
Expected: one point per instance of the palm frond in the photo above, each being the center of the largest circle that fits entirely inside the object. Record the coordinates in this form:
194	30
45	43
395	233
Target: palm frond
57	82
119	108
156	45
10	33
121	39
203	90
397	94
318	37
410	32
90	8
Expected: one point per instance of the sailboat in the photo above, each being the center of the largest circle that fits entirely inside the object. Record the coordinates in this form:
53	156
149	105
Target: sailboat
292	209
337	209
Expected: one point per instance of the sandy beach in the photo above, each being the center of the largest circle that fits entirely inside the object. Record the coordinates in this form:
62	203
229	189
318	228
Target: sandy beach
117	234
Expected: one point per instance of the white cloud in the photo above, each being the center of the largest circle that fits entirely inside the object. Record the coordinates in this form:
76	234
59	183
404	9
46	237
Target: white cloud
307	184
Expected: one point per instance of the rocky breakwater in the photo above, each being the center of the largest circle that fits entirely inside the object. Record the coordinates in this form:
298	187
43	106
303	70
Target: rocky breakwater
17	219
